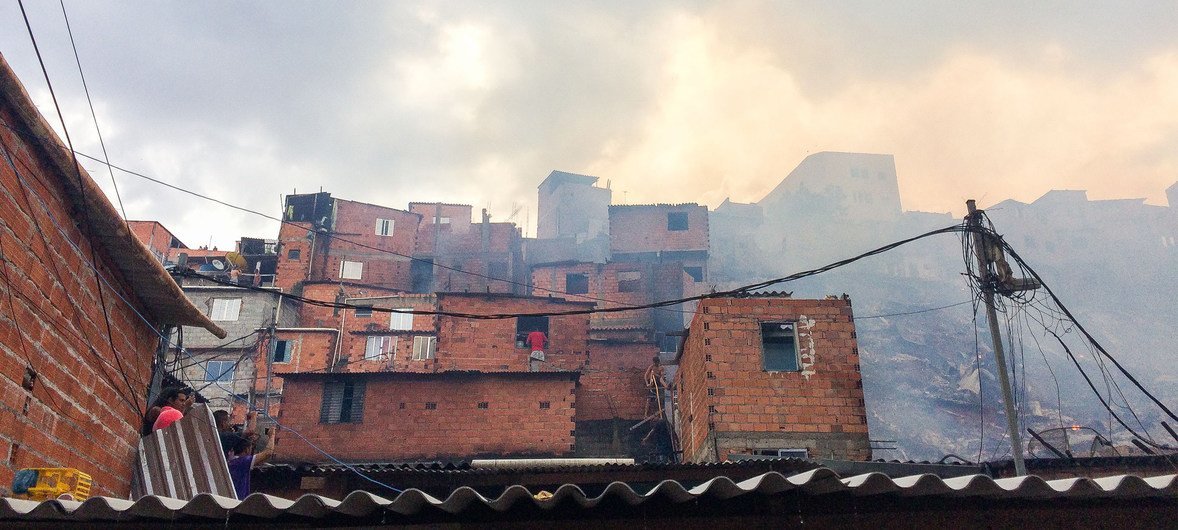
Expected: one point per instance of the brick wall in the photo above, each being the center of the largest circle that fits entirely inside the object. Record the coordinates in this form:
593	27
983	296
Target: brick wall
604	289
468	344
294	255
54	325
644	228
725	392
611	384
356	222
398	423
153	234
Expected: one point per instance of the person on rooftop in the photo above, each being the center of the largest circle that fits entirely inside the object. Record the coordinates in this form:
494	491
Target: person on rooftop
536	340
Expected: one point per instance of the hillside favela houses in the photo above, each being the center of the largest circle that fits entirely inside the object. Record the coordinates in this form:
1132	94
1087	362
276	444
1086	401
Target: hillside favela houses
430	365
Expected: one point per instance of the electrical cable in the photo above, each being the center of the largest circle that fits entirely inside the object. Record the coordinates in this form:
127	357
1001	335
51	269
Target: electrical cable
93	115
1055	298
746	290
350	467
85	207
915	312
25	191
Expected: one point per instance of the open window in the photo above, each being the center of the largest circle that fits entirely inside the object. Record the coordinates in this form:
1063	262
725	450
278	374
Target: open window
283	350
677	221
629	281
576	283
525	325
779	347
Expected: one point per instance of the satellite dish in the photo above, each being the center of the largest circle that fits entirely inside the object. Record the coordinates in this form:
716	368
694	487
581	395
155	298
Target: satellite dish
219	265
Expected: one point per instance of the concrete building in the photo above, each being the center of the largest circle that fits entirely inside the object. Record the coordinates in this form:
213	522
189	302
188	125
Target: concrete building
226	372
766	374
85	304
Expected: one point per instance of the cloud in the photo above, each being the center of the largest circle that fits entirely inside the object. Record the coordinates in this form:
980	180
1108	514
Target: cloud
733	121
671	101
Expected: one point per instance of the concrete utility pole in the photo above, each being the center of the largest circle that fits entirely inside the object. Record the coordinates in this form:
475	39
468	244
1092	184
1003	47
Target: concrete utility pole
987	285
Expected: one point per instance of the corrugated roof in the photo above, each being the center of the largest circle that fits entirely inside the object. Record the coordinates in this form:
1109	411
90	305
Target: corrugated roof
137	266
466	501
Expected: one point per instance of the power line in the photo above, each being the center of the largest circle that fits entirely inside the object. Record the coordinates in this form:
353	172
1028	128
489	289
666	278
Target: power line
917	312
746	290
84	205
93	115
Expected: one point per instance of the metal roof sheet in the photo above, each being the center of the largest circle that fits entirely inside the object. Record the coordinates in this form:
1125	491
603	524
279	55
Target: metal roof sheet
819	482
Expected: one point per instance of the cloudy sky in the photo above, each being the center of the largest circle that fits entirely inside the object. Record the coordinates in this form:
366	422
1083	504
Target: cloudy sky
476	102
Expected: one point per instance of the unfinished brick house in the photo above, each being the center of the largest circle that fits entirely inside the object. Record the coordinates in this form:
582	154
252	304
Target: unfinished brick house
76	350
455	255
405	416
659	233
331	239
766	374
159	240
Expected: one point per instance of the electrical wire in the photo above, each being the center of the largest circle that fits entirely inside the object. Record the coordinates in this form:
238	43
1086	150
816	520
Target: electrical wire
915	312
85	207
331	457
93	115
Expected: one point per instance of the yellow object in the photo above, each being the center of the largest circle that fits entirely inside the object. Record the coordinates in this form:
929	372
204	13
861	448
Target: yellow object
53	482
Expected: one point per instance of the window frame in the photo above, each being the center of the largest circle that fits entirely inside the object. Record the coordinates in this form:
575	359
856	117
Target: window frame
769	364
384	227
401	321
288	351
294	254
226	375
344	267
678	222
581	277
351	402
223	314
362	311
431	347
386	347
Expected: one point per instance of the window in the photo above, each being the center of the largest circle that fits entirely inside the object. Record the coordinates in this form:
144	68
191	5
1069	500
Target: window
219	371
576	283
225	309
294	254
363	310
351	270
343	402
779	347
696	273
380	347
282	351
677	221
401	321
424	348
629	281
384	227
525	325
442	220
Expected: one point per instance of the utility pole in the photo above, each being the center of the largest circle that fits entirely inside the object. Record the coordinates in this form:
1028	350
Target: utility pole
270	349
987	281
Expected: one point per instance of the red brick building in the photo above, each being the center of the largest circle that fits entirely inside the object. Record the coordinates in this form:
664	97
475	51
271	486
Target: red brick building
763	374
325	238
498	345
159	240
391	416
659	233
73	384
455	255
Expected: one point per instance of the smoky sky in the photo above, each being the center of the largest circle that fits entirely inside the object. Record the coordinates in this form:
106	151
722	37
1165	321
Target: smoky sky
476	102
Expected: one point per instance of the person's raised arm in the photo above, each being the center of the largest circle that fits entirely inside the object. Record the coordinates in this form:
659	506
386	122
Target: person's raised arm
268	453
